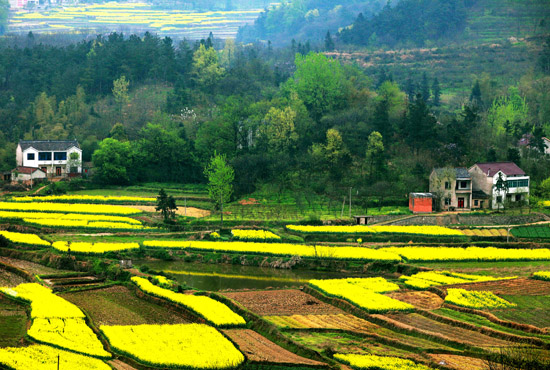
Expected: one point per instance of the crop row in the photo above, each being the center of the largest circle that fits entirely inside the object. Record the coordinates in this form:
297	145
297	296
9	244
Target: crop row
485	232
57	321
542	275
254	235
363	229
75	208
476	299
419	254
82	199
426	279
363	292
211	310
532	232
68	216
94	248
196	346
378	362
52	222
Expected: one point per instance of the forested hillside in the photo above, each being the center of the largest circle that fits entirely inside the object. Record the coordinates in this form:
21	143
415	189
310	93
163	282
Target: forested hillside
147	109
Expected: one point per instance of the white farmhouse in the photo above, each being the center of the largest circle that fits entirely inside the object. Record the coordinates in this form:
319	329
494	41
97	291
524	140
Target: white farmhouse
51	156
485	177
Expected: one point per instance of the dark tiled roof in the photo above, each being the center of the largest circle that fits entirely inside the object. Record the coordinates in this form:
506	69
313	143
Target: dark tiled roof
508	168
26	170
460	172
478	194
48	145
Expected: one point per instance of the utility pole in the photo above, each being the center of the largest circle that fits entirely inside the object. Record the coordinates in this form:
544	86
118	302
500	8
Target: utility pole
58	361
185	209
221	214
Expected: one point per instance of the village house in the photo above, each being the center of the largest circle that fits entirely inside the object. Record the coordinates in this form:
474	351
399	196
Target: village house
56	158
27	174
452	188
486	175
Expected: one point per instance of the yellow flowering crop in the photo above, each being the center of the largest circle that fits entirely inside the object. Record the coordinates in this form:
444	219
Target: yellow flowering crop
85	224
254	235
476	299
68	216
363	292
57	321
378	362
74	208
20	238
94	248
427	279
42	357
69	333
83	198
195	346
213	311
282	249
363	229
542	275
469	254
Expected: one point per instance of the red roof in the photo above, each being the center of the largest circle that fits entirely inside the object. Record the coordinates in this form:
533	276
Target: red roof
26	170
508	168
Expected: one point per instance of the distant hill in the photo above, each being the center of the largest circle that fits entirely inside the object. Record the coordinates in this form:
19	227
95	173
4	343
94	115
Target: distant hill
306	20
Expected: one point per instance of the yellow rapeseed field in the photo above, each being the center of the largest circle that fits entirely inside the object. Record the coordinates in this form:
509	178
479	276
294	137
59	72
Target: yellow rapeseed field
254	235
20	238
363	292
74	208
282	249
68	216
213	311
83	198
94	248
195	346
542	275
363	229
476	299
426	279
469	254
378	362
43	357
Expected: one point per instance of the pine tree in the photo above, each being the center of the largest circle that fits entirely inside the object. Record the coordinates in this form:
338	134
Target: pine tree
329	43
436	91
425	88
475	95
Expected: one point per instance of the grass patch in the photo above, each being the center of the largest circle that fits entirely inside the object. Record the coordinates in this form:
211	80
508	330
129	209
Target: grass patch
13	323
532	310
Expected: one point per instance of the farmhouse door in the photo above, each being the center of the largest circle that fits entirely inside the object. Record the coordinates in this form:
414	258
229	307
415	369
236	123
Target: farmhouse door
58	171
460	202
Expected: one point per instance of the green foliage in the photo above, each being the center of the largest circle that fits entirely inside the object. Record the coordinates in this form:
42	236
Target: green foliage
507	110
206	69
166	205
220	180
113	162
319	83
120	90
4	11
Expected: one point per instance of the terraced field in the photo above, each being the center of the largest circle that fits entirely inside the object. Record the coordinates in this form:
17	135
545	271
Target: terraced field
426	326
340	322
525	287
530	309
459	362
424	300
258	349
13	323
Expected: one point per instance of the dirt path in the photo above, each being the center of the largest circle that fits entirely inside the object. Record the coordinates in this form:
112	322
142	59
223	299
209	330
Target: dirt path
119	365
40	188
191	211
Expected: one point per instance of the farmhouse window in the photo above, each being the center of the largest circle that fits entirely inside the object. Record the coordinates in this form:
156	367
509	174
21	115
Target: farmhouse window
60	156
476	202
499	199
44	156
30	156
518	183
447	201
518	197
447	185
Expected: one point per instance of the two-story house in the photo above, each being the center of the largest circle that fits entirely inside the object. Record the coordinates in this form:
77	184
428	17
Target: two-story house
486	175
452	188
54	157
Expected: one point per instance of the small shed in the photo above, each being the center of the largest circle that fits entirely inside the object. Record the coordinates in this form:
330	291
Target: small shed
421	202
22	173
362	220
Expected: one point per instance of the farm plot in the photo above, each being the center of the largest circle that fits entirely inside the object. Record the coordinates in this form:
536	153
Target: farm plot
532	310
487	233
424	300
257	348
10	279
13	323
282	302
538	232
33	268
340	321
434	328
524	287
118	305
460	362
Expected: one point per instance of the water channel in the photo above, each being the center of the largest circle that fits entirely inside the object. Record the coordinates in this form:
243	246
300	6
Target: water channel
215	277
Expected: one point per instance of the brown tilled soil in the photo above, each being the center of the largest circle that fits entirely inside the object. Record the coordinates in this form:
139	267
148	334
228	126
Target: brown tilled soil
259	349
282	302
421	324
342	321
119	365
33	268
459	362
423	300
9	279
117	305
191	211
519	286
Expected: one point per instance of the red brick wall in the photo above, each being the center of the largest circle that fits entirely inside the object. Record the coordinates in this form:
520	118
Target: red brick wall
420	205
